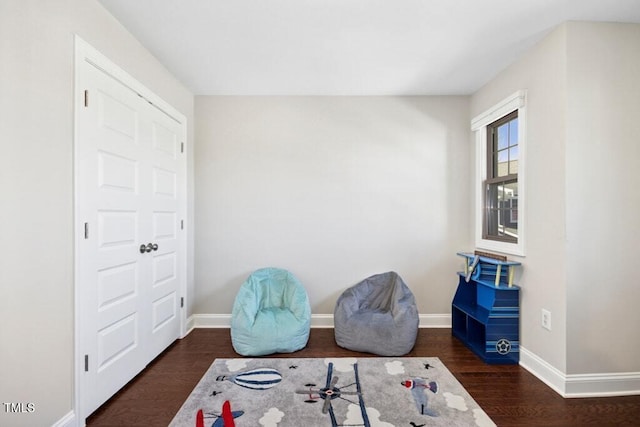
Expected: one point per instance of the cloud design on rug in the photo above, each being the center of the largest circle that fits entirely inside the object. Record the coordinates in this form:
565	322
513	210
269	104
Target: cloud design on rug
342	364
271	418
394	368
482	419
354	417
455	401
237	364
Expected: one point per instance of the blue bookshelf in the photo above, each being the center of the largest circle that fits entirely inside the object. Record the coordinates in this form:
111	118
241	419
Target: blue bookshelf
485	312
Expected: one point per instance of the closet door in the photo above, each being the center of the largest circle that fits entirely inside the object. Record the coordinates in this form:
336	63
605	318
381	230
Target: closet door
166	177
129	175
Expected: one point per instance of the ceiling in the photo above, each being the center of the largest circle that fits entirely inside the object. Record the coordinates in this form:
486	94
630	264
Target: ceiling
348	47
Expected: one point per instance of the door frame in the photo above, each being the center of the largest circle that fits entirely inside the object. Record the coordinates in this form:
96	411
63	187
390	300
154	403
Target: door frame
84	52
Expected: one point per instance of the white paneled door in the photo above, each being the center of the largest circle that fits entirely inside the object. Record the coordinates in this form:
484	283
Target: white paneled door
130	180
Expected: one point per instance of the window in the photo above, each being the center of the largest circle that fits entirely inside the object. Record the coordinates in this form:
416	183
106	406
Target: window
499	183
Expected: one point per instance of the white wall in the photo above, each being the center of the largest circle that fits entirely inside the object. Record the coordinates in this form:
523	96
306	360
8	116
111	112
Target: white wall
603	198
334	189
583	201
36	188
543	282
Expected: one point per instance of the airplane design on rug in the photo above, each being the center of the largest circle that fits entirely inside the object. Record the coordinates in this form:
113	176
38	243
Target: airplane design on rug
225	419
419	387
331	391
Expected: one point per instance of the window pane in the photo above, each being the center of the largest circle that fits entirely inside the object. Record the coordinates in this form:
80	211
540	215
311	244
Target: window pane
502	149
503	163
513	131
502	211
503	136
513	160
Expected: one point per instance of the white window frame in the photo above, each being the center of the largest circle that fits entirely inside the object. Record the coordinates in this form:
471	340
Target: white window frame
516	101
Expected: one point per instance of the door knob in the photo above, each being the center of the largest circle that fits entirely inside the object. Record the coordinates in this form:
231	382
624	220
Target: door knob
148	247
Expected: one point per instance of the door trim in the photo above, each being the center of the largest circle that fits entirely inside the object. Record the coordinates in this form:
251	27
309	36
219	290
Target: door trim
84	52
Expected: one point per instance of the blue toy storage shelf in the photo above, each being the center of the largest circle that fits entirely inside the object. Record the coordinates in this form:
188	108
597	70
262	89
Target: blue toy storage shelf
485	313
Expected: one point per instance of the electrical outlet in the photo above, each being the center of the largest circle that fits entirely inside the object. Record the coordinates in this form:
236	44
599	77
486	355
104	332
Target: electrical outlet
546	319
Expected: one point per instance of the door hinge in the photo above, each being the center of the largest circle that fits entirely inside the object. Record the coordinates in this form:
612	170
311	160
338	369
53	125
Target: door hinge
86	230
181	302
86	98
182	147
86	363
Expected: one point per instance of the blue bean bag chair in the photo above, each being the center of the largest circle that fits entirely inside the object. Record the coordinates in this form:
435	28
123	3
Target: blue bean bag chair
271	314
378	315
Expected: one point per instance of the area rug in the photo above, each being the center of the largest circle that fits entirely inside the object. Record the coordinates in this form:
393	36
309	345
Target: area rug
375	392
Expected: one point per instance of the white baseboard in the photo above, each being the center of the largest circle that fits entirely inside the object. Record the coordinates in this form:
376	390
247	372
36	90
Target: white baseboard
317	321
603	385
543	371
209	321
69	420
191	324
435	320
322	320
580	385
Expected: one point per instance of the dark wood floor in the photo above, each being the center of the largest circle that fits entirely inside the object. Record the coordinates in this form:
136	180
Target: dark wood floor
510	395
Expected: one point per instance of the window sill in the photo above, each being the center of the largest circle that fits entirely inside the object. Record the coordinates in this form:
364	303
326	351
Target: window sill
516	249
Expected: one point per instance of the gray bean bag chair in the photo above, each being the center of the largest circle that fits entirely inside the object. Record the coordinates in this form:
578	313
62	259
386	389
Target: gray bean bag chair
378	315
